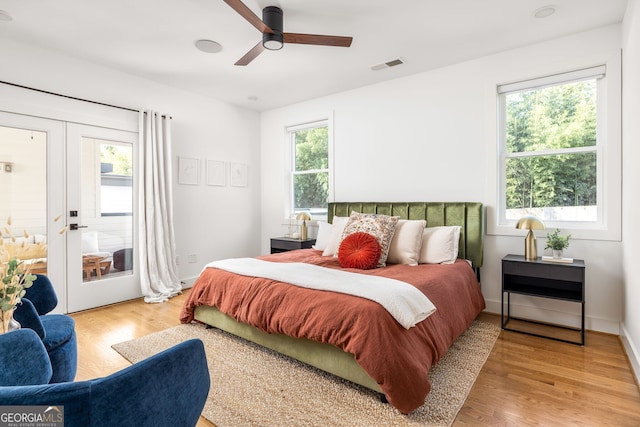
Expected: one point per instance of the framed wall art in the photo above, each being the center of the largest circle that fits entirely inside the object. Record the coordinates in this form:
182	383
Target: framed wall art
188	171
238	175
216	173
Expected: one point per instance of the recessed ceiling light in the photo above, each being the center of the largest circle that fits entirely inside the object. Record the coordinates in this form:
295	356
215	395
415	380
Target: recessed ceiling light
5	16
545	11
208	46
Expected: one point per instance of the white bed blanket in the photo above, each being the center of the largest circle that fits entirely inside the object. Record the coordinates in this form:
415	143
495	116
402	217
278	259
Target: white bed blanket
403	301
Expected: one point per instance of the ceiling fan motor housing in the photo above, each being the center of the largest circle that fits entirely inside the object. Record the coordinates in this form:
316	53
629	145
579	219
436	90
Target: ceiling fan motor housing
272	17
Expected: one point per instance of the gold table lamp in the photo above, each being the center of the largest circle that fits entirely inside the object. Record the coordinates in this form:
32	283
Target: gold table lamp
304	217
530	222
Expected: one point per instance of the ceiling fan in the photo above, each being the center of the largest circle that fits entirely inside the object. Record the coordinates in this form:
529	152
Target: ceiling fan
272	36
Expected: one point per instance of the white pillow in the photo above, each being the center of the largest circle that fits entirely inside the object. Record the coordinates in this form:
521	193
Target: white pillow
324	232
440	245
90	242
406	242
335	237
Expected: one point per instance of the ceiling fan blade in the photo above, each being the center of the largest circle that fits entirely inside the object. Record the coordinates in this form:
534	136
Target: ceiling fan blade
317	39
247	14
251	55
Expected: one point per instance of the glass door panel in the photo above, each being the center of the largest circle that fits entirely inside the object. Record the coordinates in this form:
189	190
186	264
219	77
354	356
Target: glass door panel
31	159
107	208
23	191
101	265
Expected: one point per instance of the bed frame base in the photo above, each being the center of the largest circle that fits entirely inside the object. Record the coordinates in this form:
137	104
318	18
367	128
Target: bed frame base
326	357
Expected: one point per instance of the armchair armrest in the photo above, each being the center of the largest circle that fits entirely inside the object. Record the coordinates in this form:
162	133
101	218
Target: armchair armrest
169	388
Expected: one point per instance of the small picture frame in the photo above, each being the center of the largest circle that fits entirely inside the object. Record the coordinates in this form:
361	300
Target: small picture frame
216	173
238	175
188	171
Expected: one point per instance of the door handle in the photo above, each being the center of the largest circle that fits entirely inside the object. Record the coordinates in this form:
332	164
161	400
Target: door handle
76	226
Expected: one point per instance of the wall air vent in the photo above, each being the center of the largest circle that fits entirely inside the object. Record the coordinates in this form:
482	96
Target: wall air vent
388	64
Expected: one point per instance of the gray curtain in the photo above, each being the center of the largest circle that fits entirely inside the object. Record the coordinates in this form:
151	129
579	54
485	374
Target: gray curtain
156	242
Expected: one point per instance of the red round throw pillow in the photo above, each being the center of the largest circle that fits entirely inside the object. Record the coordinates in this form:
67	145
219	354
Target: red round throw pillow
359	250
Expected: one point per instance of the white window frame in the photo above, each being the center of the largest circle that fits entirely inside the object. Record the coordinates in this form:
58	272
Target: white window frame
290	131
608	149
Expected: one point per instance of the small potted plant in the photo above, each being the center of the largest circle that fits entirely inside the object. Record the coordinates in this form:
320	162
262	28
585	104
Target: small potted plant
557	243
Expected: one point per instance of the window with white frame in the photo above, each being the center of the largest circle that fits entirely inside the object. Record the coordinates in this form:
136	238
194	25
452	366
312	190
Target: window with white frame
551	148
310	172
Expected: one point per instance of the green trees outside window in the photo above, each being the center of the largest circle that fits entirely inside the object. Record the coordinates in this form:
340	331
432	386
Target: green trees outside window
310	175
551	150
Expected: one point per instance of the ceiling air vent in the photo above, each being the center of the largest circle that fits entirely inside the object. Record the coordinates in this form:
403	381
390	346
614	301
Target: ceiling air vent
388	64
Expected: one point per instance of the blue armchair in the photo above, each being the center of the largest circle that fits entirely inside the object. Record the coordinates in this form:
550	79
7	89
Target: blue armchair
57	331
167	389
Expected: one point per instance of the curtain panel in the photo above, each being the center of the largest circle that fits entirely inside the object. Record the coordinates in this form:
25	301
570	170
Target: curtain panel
156	242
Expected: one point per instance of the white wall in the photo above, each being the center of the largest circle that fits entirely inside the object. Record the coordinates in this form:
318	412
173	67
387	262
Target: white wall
210	222
432	137
631	176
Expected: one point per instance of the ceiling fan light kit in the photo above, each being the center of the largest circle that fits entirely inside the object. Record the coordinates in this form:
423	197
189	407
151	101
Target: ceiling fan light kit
272	17
273	38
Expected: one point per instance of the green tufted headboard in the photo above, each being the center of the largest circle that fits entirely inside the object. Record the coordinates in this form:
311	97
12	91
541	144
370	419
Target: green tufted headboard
468	215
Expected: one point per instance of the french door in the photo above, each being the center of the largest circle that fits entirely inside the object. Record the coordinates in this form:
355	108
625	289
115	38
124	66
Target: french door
56	174
101	262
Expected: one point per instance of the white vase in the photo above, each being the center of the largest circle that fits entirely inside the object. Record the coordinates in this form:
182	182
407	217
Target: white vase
557	253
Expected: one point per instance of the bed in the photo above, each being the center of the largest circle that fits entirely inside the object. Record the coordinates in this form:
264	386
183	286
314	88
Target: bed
345	335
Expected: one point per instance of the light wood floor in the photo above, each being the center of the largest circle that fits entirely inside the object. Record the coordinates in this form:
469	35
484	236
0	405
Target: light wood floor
526	381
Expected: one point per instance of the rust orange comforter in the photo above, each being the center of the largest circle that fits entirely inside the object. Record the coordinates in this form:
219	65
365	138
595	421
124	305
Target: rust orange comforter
397	358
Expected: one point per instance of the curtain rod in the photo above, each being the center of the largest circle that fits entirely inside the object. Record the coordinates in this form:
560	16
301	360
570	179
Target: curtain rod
69	97
164	116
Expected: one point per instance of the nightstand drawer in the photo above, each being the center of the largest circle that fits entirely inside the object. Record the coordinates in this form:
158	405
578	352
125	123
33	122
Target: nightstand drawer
547	270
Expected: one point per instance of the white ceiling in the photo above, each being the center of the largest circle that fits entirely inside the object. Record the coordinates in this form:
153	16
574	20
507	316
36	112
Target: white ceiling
155	39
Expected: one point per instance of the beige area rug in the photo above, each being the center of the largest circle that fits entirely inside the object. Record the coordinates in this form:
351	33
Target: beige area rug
254	386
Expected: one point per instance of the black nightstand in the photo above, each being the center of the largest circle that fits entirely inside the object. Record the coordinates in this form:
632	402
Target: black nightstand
284	244
561	281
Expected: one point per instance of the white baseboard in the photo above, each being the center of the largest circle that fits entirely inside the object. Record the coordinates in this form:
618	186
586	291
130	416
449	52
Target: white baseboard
555	316
632	352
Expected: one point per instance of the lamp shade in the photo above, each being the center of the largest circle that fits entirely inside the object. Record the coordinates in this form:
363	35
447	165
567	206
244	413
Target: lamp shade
303	216
530	222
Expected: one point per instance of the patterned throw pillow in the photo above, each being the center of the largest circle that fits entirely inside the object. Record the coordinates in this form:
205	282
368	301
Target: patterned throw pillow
359	250
381	227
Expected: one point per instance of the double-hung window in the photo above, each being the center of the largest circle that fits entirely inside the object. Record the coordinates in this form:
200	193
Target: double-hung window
310	169
551	149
